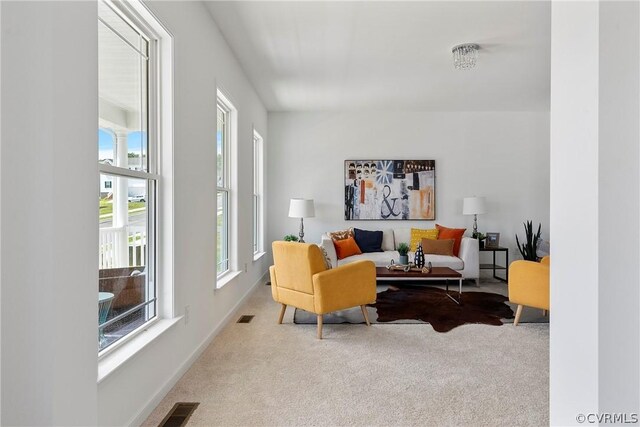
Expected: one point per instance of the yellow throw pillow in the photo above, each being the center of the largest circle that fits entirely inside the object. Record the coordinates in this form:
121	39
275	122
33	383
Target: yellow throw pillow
418	234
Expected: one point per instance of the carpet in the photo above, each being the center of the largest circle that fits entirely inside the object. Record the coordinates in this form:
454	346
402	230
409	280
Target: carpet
390	374
415	304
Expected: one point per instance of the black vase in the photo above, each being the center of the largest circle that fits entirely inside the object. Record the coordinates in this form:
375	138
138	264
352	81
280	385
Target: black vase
418	259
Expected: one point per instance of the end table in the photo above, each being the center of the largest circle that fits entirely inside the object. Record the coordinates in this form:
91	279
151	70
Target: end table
493	266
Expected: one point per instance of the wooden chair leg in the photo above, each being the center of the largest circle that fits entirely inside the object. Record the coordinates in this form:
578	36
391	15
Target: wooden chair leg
365	314
518	314
544	313
319	326
282	310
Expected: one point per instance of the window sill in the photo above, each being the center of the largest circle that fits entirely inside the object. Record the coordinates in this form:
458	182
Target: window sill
110	362
258	255
226	278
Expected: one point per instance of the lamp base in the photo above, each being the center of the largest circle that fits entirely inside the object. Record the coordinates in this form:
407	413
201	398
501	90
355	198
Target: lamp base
301	233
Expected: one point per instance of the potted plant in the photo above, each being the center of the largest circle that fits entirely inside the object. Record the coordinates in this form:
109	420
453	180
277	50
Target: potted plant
290	238
403	250
480	237
529	249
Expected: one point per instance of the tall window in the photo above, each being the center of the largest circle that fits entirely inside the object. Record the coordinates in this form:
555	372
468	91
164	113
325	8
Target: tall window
224	142
129	177
258	178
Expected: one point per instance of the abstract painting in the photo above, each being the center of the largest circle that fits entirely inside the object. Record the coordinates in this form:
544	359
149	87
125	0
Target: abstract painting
390	189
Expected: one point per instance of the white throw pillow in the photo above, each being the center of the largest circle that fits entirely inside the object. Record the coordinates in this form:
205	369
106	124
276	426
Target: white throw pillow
388	243
402	235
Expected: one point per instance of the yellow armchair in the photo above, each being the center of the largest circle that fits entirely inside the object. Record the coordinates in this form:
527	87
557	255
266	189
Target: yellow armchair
300	278
529	285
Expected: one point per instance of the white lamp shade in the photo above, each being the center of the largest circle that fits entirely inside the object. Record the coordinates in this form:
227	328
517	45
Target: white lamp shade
474	206
301	208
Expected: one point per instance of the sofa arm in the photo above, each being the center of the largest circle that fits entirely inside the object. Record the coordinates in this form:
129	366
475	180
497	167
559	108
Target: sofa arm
529	284
327	244
470	256
344	287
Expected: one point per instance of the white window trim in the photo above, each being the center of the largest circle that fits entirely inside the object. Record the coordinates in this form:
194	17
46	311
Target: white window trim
258	192
161	121
225	187
231	188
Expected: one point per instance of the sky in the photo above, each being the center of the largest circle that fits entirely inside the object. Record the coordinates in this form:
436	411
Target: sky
105	143
134	142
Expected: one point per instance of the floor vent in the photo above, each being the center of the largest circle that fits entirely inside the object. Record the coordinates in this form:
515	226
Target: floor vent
245	318
179	414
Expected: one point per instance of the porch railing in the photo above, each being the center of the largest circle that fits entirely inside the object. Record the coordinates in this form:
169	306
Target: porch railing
122	246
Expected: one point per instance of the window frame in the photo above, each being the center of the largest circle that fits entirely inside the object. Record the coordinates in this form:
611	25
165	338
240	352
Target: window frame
258	195
159	150
229	112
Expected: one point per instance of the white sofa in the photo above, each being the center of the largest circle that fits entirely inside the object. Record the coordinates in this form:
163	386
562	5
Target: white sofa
467	262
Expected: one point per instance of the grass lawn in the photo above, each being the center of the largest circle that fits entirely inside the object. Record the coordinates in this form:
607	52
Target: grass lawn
106	206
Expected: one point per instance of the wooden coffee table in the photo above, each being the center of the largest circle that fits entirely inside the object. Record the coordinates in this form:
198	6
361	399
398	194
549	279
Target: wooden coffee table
437	273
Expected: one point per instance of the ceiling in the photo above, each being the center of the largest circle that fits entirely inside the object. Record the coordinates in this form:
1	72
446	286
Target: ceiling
304	56
121	67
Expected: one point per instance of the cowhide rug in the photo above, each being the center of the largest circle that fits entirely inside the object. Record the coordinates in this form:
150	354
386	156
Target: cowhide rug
433	306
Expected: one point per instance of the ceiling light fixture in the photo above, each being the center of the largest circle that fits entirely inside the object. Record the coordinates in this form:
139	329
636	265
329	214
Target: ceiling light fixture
465	56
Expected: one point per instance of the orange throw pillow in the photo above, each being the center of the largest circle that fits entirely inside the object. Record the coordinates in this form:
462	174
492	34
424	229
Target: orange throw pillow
346	247
438	247
451	233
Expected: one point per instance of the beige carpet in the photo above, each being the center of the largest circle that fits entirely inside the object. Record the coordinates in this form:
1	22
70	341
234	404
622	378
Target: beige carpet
264	374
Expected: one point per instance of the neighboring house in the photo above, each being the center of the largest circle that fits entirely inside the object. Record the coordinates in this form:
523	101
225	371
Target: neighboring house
136	187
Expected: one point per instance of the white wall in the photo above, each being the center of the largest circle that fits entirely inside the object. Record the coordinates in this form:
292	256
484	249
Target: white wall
595	210
202	60
49	231
619	207
574	211
503	156
49	211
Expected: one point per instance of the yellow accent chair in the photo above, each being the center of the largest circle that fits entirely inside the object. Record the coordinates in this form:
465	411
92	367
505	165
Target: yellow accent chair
300	278
529	285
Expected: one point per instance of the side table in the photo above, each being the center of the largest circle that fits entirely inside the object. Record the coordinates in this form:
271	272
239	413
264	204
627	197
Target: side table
493	266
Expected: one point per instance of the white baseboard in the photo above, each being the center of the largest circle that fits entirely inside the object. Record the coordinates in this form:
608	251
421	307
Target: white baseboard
155	400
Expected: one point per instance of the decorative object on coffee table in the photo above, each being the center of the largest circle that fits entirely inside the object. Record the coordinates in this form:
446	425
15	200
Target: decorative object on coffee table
403	250
390	189
419	256
474	206
427	268
290	238
399	267
493	240
529	249
301	208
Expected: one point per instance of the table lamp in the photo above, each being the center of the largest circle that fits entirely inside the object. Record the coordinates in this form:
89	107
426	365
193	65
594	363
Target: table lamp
301	208
474	206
